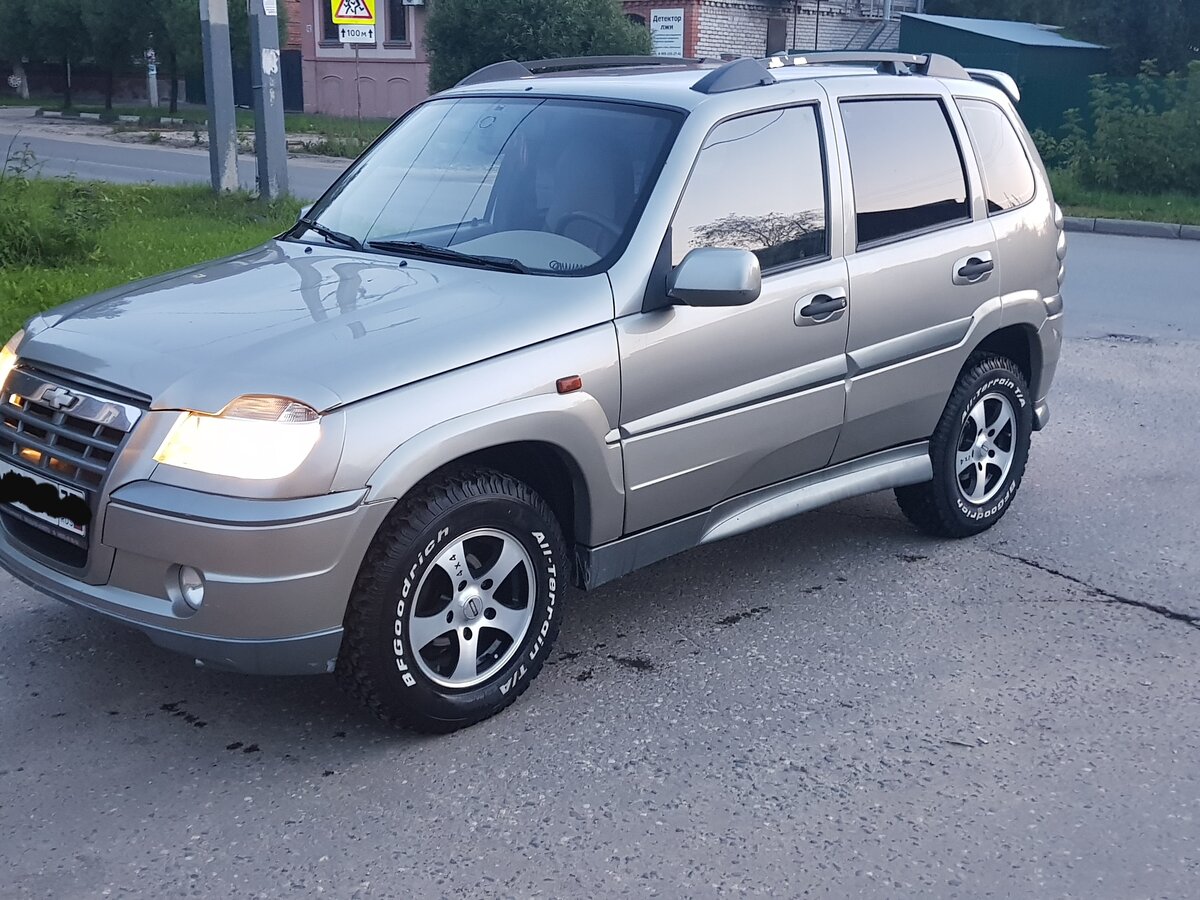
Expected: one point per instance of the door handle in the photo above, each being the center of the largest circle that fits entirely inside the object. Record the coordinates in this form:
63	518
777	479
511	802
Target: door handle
974	269
821	308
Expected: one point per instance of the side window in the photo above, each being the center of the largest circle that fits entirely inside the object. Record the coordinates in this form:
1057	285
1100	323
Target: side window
1007	176
907	171
759	185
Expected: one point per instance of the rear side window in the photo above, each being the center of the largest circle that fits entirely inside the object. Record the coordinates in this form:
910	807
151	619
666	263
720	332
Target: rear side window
1007	175
906	166
758	185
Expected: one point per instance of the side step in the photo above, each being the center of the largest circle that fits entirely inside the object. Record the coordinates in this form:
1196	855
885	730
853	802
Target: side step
891	468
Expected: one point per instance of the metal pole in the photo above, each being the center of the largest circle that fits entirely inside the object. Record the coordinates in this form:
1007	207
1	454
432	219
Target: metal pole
357	85
817	36
887	10
218	88
270	139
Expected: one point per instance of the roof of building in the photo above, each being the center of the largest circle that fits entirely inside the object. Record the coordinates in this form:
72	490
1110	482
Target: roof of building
1026	33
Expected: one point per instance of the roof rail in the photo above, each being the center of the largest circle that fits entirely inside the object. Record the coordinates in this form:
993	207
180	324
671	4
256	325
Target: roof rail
1001	80
932	64
510	69
735	76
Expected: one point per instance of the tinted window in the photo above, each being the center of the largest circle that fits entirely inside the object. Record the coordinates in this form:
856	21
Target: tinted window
1007	175
759	185
908	175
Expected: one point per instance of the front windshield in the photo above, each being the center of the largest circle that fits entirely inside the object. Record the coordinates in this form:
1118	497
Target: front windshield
556	185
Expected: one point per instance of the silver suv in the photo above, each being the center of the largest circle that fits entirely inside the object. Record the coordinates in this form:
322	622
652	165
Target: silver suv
558	323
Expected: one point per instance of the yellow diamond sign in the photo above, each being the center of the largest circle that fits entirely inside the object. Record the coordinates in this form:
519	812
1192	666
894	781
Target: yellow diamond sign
353	12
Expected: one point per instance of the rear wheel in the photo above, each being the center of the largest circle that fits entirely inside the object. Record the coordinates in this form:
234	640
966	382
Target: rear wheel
455	608
978	451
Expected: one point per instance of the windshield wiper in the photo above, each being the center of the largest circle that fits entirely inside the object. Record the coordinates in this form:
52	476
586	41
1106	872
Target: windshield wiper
431	251
330	235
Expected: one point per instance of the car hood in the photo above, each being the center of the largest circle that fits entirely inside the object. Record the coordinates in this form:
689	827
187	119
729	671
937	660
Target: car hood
316	324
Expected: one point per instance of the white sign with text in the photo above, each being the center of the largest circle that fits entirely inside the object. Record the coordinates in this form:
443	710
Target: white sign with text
666	31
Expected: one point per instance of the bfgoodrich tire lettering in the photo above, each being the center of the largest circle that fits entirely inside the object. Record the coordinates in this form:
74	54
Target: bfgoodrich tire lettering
978	451
422	606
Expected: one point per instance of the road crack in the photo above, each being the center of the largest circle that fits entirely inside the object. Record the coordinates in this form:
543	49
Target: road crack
1157	609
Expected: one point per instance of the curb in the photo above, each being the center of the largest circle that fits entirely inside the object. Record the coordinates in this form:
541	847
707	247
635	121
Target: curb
1130	228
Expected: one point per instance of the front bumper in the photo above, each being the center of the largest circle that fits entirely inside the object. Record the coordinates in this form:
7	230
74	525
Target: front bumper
278	573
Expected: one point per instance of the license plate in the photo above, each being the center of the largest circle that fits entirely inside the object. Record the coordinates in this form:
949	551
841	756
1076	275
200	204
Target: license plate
30	495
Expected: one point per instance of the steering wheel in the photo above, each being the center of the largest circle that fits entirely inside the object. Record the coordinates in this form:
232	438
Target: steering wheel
592	219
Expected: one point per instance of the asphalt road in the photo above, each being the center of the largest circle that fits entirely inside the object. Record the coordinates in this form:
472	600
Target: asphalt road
99	159
834	706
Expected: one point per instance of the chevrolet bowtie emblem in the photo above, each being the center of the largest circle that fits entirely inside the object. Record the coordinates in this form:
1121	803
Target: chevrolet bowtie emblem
60	398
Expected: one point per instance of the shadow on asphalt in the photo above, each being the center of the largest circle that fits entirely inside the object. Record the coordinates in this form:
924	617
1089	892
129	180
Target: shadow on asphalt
109	678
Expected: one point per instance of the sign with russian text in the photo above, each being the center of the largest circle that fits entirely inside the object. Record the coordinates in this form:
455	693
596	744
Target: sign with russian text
666	32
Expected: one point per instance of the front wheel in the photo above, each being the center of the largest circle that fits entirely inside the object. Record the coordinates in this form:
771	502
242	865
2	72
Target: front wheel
456	606
978	451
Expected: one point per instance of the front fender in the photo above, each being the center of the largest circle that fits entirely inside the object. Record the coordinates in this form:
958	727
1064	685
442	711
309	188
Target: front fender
575	424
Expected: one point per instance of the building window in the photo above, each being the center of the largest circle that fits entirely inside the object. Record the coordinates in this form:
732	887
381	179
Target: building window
397	22
636	19
329	30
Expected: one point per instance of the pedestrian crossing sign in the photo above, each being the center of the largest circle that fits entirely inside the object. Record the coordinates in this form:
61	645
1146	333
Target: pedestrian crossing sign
353	12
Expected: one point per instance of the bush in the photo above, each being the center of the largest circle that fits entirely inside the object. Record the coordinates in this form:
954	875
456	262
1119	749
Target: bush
1144	139
465	35
34	232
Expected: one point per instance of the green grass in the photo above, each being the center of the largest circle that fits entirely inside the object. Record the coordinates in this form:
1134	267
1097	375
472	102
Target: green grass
1089	203
148	230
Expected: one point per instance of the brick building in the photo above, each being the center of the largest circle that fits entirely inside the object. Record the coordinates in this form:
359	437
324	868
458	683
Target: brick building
740	27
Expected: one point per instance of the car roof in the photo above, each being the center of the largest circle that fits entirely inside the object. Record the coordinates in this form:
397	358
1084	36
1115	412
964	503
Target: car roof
686	84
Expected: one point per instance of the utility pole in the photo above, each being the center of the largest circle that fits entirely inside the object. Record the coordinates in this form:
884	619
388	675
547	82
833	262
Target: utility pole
270	139
218	88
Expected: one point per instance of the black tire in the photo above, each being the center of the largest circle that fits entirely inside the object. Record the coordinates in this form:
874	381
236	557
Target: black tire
941	507
378	663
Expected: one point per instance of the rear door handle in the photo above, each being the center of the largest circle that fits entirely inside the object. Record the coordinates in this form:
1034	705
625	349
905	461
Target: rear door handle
818	309
974	269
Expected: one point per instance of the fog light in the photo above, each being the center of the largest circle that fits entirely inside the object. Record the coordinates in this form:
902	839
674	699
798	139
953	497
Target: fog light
191	586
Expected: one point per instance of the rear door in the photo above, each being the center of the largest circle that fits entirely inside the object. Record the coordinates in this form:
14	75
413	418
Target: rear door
922	258
716	402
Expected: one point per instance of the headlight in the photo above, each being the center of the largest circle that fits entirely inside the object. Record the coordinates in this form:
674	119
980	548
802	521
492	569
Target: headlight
8	357
254	438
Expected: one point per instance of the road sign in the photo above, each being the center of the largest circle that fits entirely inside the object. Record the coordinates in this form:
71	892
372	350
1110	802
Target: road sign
356	34
353	12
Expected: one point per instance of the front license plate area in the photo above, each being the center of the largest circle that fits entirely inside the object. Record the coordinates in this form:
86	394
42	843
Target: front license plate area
44	503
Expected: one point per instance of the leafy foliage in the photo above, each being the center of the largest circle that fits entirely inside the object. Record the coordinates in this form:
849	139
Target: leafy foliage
40	230
1144	139
465	35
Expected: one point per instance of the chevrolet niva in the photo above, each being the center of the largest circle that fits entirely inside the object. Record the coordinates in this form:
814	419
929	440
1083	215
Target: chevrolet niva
558	323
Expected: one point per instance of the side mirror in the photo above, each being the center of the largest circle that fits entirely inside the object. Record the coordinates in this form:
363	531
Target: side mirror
716	276
305	210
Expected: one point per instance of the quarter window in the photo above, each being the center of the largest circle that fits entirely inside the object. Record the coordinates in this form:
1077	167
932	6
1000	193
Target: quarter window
1007	176
758	185
906	166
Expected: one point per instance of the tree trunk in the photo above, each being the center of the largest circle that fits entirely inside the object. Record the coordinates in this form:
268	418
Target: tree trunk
67	83
173	72
109	88
19	71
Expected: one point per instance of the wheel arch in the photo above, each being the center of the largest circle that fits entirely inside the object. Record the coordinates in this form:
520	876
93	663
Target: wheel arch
1018	342
553	444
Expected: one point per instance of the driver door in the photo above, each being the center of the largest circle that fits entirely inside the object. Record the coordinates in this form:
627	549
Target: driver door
719	401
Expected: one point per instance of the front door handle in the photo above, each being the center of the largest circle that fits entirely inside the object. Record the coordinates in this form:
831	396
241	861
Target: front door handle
974	269
821	308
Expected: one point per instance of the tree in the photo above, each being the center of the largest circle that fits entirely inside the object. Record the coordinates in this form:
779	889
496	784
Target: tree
59	34
16	34
465	35
115	37
1165	30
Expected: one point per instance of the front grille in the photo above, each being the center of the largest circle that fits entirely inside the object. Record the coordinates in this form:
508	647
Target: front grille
65	434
